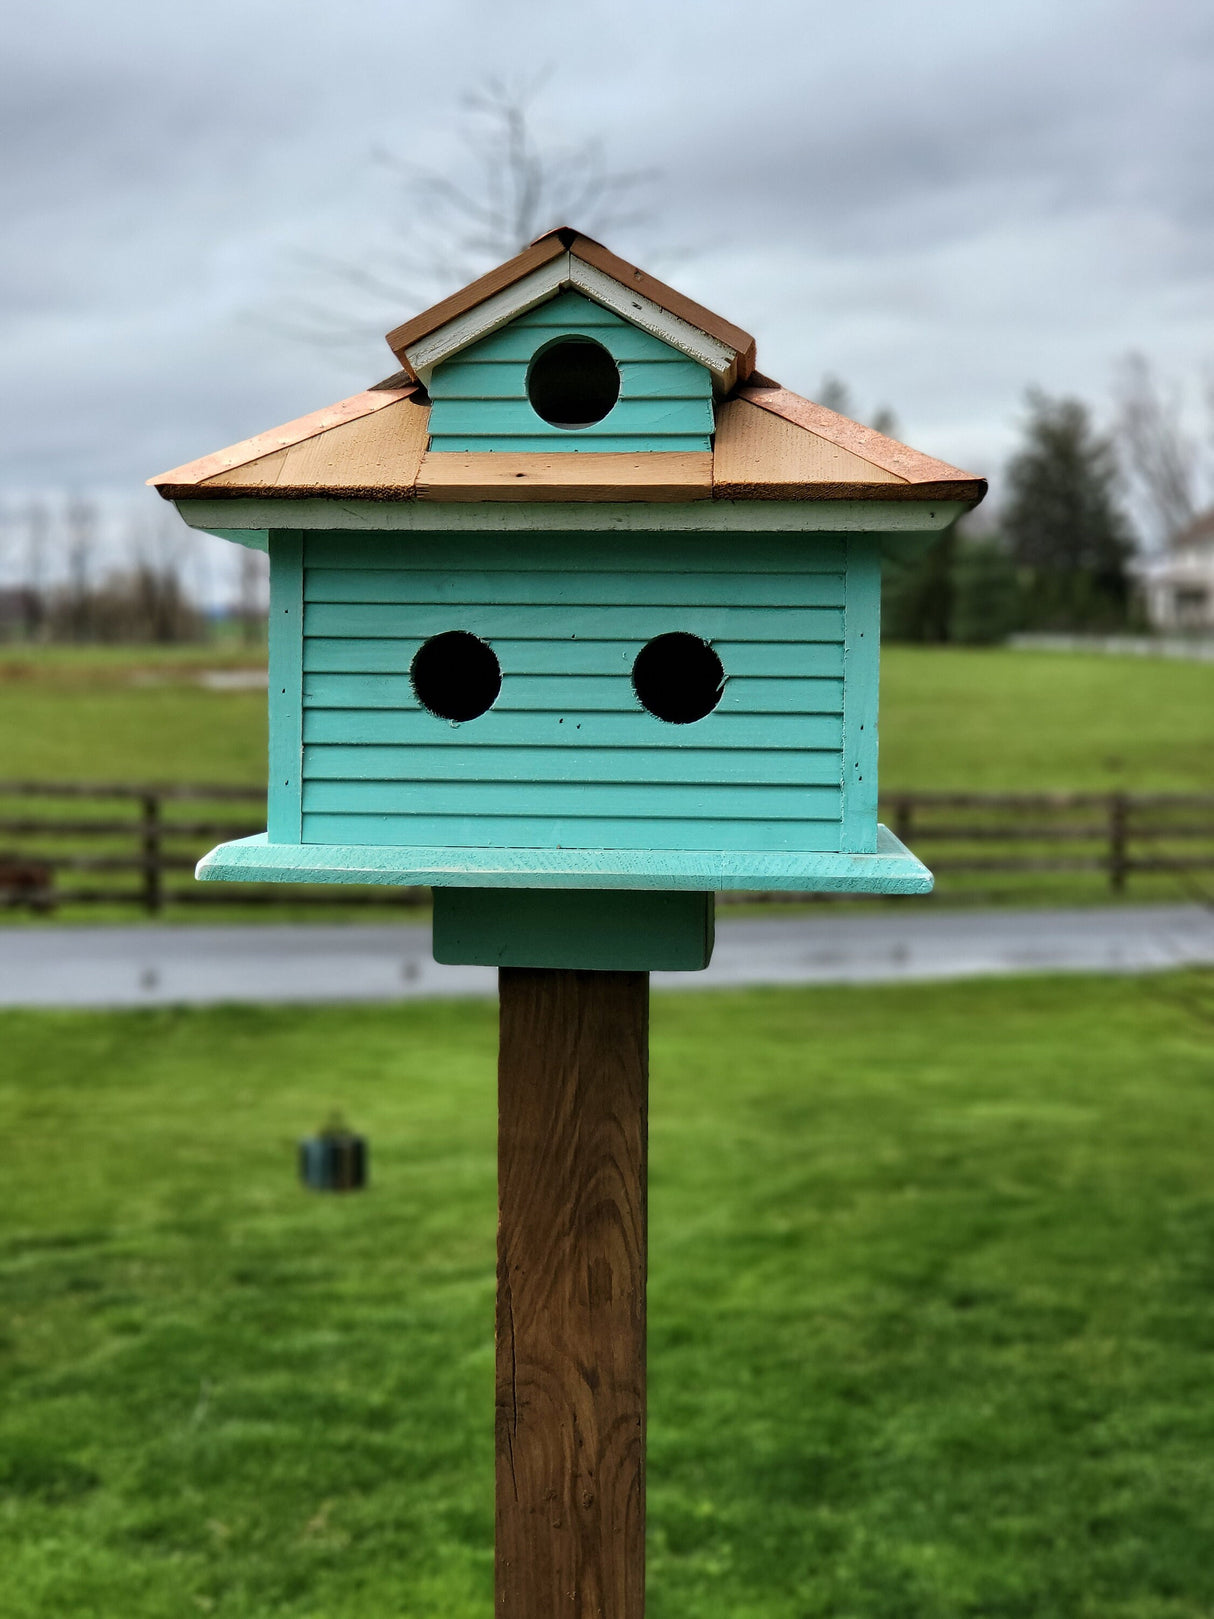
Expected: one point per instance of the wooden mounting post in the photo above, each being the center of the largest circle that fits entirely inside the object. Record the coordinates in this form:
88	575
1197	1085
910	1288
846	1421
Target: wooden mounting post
572	1143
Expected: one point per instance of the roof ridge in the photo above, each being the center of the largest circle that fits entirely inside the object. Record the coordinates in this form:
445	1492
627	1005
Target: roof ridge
564	239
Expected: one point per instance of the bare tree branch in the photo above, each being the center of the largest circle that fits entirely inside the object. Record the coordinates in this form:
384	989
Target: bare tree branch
1160	456
510	187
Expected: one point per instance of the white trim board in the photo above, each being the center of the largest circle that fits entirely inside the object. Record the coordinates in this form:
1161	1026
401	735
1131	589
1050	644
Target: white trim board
488	316
541	285
246	520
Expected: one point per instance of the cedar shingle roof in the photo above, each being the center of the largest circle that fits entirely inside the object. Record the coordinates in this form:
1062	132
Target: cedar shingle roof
769	443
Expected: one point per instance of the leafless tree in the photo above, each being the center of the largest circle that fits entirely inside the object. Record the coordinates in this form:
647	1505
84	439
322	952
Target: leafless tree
507	188
159	548
138	606
37	534
81	524
1163	460
253	579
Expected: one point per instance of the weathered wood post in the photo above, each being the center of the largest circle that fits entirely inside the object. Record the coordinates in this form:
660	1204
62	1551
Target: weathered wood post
573	1079
574	619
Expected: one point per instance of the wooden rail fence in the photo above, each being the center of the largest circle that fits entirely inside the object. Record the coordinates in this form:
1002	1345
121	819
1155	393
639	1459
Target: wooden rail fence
118	844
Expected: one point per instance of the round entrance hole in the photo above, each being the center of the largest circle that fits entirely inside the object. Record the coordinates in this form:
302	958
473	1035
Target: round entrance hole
573	383
678	678
455	675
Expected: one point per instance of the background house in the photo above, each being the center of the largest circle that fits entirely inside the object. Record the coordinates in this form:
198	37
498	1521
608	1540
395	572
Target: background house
1178	585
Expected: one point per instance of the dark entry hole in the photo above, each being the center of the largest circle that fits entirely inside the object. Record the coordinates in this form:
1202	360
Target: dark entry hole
572	383
678	677
456	676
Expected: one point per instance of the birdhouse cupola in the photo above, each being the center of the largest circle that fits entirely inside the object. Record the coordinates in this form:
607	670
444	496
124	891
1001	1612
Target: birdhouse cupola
574	618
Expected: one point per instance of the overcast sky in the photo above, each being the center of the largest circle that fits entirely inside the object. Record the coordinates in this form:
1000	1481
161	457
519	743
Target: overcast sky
941	203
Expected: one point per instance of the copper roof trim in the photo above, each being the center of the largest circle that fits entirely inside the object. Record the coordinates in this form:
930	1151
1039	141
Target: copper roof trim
886	453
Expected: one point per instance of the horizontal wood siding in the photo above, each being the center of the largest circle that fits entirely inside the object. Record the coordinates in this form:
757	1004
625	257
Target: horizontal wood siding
562	551
567	756
547	588
614	622
633	729
419	762
479	398
588	694
382	656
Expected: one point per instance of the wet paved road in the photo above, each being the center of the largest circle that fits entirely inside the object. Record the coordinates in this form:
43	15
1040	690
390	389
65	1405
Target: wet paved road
163	965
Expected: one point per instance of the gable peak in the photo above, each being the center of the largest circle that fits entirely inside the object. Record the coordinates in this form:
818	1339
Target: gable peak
561	259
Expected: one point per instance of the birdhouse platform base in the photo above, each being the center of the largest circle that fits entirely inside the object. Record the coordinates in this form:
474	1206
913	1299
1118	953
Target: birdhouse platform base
890	869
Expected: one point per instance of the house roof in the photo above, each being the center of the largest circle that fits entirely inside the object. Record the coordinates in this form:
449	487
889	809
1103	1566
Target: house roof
1197	535
769	443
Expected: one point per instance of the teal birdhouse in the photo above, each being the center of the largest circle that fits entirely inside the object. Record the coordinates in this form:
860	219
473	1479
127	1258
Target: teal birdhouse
574	618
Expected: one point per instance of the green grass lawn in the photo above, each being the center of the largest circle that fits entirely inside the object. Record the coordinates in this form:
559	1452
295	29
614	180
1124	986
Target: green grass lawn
932	1309
987	719
122	714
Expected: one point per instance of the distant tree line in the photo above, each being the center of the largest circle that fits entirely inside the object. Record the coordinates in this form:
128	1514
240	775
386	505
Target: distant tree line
67	577
1056	554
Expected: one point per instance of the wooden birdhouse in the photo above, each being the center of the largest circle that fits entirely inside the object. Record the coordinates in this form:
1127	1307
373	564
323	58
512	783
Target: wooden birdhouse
574	618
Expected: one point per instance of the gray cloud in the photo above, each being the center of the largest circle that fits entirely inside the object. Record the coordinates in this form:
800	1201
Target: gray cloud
942	203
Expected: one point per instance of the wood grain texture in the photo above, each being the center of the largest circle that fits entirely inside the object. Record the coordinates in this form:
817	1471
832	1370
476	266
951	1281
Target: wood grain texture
255	477
929	477
500	475
186	479
375	457
570	1403
761	456
378	456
